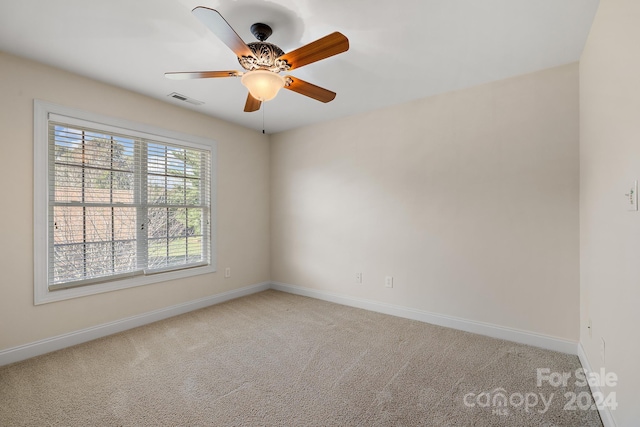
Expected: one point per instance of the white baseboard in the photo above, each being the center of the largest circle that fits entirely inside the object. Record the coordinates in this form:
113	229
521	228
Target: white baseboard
494	331
47	345
605	413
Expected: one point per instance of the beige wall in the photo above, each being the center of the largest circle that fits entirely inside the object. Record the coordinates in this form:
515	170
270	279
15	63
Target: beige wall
609	234
243	200
468	199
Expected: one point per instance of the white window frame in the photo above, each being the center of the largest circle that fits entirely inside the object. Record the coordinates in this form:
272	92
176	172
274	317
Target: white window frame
42	111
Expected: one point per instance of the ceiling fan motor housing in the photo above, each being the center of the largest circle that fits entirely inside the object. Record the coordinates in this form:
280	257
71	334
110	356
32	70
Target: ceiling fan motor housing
265	57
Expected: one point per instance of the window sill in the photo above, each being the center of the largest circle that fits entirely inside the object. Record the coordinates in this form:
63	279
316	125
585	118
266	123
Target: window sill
46	296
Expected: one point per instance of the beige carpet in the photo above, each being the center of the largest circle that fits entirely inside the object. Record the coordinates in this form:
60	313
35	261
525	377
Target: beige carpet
276	359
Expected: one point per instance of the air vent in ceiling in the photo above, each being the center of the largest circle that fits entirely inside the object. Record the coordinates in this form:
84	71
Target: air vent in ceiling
184	98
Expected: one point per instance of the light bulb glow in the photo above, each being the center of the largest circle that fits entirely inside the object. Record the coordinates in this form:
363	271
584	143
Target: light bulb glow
262	84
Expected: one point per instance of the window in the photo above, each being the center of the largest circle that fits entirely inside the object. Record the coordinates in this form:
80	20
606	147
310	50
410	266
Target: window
117	204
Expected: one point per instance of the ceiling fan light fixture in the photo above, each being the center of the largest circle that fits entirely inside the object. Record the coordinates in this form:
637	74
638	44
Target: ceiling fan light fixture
262	84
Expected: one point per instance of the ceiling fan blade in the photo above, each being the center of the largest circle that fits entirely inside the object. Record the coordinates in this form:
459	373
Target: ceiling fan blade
180	75
252	104
220	27
310	90
325	47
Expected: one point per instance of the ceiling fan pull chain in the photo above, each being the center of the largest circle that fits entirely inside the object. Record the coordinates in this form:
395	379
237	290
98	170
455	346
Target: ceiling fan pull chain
263	117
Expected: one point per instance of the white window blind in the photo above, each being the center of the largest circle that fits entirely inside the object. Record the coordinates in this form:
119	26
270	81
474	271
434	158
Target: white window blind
121	204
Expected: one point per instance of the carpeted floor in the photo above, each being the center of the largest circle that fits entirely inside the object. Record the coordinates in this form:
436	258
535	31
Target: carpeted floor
275	359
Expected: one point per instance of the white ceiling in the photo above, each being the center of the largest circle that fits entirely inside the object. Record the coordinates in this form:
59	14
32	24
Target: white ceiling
399	50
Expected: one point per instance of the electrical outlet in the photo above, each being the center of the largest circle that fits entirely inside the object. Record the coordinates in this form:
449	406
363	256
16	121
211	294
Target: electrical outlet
227	272
602	349
388	282
358	277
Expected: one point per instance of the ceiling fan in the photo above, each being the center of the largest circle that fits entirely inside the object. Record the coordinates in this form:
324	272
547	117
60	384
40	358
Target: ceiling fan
265	61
